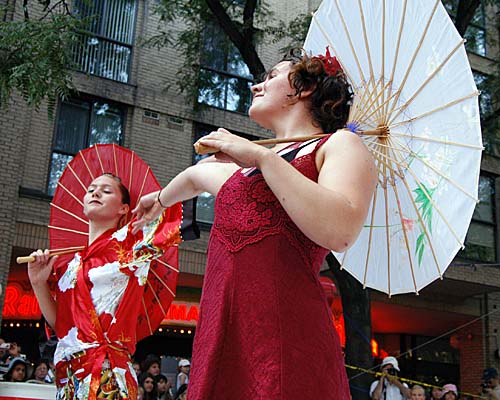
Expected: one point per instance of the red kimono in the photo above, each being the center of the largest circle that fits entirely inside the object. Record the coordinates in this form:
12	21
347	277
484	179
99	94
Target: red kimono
100	295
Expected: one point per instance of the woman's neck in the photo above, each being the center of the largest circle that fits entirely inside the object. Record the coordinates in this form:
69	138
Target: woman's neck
97	229
297	122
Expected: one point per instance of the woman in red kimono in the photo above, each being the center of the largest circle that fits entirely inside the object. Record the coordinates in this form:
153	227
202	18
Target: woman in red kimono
265	330
98	295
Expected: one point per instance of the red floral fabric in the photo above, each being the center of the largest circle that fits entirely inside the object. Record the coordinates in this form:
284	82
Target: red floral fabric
99	298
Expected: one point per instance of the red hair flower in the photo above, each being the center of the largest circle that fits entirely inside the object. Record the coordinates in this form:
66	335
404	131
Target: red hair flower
331	64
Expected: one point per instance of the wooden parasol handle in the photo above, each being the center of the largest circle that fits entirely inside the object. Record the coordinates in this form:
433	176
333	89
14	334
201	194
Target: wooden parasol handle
202	149
58	252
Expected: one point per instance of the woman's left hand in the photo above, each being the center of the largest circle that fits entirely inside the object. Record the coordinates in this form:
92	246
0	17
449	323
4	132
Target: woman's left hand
233	148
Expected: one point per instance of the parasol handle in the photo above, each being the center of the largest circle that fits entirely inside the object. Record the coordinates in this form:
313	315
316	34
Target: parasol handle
202	149
28	259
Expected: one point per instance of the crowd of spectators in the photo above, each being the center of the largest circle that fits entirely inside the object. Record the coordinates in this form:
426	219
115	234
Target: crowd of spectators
389	386
153	384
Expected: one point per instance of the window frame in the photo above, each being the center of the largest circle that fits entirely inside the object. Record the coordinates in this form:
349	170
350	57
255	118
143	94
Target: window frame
494	225
88	34
91	100
198	127
223	74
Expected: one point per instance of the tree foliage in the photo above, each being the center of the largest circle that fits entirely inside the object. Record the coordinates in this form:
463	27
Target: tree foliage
35	55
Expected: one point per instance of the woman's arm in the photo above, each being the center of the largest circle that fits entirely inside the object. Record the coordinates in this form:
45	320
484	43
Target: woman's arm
38	273
199	178
341	198
331	212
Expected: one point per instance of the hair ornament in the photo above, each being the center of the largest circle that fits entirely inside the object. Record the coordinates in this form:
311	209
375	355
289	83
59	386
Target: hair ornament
331	64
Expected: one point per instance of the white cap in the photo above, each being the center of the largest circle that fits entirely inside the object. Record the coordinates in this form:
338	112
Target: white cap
184	363
390	360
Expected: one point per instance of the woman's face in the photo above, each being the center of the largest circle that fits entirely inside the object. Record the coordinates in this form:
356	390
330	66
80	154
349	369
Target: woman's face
148	385
103	200
436	393
270	100
154	369
18	373
417	394
41	372
450	396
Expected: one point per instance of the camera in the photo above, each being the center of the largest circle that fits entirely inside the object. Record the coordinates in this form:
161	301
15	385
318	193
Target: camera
392	371
5	346
484	386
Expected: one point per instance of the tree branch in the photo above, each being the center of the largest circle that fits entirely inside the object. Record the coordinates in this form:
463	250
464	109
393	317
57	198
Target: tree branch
465	12
243	42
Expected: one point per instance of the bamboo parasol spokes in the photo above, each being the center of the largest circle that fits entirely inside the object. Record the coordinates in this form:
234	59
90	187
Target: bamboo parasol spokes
413	87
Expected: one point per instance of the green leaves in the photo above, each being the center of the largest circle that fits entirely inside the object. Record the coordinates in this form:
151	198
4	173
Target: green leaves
423	200
34	59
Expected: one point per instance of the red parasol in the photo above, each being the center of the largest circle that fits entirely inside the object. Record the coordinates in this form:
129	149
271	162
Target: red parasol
68	228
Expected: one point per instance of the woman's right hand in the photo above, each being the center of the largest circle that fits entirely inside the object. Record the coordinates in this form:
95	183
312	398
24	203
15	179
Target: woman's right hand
40	269
147	210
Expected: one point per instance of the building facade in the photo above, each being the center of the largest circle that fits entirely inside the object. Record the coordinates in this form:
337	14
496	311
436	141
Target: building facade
128	94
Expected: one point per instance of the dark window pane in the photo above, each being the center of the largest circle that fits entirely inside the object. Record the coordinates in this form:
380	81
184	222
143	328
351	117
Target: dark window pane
485	211
82	124
476	40
205	208
225	79
110	21
238	96
72	127
58	163
480	243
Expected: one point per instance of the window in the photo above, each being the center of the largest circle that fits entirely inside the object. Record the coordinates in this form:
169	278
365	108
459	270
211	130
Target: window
206	202
105	49
225	80
82	123
481	236
491	134
476	31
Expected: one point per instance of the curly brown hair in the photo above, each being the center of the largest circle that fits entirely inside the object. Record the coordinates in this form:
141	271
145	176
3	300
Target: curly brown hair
332	94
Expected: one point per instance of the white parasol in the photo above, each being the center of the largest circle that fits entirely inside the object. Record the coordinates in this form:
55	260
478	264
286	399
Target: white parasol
413	84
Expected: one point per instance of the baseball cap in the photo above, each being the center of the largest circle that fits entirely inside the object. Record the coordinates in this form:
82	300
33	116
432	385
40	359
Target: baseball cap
390	360
184	363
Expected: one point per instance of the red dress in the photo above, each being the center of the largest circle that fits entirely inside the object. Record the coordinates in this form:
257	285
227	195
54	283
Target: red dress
265	330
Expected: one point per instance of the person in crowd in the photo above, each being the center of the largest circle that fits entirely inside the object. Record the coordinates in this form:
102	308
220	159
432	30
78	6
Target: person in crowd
41	372
267	243
491	383
449	392
13	351
388	386
163	386
136	365
152	364
182	392
18	370
184	367
417	393
148	384
436	393
99	292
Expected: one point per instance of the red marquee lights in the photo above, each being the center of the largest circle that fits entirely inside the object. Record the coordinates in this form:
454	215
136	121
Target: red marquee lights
20	304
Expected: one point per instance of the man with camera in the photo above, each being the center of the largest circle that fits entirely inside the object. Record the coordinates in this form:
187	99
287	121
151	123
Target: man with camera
491	383
389	387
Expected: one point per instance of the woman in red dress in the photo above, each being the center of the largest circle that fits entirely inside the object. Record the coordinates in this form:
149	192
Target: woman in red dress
265	330
98	294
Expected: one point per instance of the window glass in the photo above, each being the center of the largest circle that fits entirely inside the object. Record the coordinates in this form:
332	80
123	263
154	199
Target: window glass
225	79
82	123
480	242
106	50
206	202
